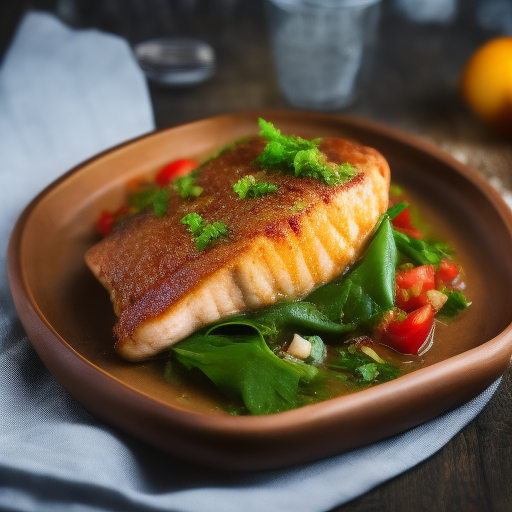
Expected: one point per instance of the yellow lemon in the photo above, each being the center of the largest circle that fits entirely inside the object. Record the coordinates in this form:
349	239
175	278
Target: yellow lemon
487	83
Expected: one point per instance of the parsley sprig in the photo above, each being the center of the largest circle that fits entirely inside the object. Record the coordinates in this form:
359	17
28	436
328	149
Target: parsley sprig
300	156
186	187
248	187
204	232
160	202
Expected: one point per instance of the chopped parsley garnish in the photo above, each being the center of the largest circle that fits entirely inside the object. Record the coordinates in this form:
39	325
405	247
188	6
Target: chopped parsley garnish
204	232
142	197
186	187
194	221
160	201
300	156
248	187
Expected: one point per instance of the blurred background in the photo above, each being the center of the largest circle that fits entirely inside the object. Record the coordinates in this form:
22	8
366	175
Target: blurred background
412	77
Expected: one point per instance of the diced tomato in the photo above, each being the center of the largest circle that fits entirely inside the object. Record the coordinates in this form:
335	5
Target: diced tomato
412	287
403	219
174	170
403	223
412	232
104	223
106	220
407	336
446	273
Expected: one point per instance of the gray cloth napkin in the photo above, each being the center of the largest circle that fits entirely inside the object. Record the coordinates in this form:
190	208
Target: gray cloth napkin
64	96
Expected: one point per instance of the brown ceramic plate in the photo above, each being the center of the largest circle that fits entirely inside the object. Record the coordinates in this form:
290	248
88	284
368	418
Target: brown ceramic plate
68	316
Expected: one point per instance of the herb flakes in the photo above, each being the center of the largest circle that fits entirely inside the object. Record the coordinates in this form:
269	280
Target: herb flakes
160	202
300	156
186	187
248	187
204	232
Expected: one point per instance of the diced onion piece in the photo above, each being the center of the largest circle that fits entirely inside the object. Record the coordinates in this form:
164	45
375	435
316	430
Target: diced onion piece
436	298
371	353
299	347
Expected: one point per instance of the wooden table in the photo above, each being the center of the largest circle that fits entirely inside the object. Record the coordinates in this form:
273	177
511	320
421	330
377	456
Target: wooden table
414	89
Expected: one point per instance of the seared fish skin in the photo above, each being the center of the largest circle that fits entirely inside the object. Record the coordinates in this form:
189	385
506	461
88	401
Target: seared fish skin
279	245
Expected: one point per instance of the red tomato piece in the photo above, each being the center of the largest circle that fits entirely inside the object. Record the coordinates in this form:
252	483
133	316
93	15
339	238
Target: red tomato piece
403	219
412	287
407	336
446	273
106	220
104	223
403	223
174	170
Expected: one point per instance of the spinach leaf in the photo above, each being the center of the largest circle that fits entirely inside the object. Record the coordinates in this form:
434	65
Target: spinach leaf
421	252
361	368
243	367
302	317
455	304
367	290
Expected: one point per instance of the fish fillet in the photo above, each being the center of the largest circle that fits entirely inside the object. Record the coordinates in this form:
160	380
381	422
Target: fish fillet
280	245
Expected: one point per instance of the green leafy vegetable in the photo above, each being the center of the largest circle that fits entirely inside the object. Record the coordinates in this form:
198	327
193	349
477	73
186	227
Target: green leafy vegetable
300	156
290	317
243	367
186	188
368	371
421	252
362	368
456	303
204	232
250	188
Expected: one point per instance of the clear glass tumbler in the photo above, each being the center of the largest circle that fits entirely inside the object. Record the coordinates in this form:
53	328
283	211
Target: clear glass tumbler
320	48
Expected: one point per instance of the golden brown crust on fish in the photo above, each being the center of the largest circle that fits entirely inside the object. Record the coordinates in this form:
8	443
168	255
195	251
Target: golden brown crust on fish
285	244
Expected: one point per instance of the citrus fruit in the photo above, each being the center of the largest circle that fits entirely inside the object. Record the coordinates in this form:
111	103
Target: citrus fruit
487	83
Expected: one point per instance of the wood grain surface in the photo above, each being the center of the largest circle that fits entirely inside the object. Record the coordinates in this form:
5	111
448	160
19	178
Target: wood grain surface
413	87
